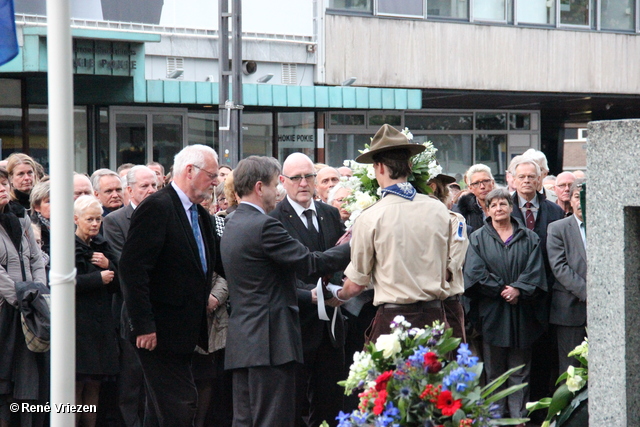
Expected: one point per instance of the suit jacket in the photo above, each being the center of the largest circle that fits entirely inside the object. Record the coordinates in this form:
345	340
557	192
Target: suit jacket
331	229
165	288
116	227
548	213
568	259
261	260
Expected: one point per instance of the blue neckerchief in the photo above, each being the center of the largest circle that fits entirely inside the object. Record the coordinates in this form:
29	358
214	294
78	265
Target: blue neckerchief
402	189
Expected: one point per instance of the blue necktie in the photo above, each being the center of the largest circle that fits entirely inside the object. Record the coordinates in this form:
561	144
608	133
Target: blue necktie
196	233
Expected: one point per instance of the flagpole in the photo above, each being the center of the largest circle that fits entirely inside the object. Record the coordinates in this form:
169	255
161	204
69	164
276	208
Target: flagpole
62	275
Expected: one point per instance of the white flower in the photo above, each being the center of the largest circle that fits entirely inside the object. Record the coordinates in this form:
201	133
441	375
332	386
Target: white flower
371	173
389	344
574	382
408	134
364	200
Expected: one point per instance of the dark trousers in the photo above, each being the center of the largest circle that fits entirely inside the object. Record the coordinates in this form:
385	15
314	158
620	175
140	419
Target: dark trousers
569	337
497	361
263	396
419	314
171	390
319	397
455	316
131	394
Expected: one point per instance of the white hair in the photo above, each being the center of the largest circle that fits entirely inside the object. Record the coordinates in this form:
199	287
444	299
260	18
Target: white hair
478	167
538	157
192	155
85	202
334	190
97	175
524	160
131	176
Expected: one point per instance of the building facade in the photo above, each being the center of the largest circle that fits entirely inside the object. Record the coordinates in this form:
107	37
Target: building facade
484	80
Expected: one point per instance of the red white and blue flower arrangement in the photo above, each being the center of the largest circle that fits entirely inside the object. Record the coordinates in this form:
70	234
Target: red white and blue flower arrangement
405	379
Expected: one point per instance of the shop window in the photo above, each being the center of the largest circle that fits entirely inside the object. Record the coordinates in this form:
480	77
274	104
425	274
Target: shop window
257	134
203	129
167	138
519	121
390	119
489	10
541	12
491	150
296	133
351	5
448	9
575	12
439	122
341	119
131	139
455	152
344	147
491	121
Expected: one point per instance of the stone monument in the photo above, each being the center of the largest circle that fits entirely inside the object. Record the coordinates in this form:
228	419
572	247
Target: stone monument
613	281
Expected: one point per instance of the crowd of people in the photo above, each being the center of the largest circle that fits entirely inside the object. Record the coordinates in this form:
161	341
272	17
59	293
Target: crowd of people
209	296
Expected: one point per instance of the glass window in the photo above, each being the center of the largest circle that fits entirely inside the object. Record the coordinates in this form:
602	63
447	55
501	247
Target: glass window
402	8
344	147
347	119
380	119
80	139
537	12
519	121
10	116
455	152
439	122
448	9
102	145
491	121
257	134
352	5
574	12
489	10
131	139
617	14
39	134
296	133
203	129
168	138
491	150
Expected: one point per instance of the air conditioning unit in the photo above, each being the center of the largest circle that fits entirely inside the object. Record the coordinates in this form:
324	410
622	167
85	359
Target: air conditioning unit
175	68
289	74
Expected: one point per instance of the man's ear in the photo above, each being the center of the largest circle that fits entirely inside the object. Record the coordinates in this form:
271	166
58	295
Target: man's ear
258	188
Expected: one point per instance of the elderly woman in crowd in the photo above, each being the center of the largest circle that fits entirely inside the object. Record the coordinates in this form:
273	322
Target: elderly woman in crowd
472	206
96	281
220	197
22	177
230	195
337	196
504	277
41	212
24	375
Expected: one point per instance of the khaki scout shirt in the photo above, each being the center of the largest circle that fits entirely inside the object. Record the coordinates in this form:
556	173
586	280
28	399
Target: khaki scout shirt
457	253
402	247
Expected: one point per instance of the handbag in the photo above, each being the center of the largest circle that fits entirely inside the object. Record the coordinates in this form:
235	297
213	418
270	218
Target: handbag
35	315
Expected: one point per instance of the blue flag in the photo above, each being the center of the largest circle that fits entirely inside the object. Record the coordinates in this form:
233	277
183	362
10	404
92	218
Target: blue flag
8	38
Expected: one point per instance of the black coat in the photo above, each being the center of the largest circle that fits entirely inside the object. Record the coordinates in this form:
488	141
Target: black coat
490	266
165	288
468	207
331	229
96	339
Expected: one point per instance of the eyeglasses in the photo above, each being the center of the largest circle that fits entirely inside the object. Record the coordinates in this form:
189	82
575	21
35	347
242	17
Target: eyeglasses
211	175
484	183
310	177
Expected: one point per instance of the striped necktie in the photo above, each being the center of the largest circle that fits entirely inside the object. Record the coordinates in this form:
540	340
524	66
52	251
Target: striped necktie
531	221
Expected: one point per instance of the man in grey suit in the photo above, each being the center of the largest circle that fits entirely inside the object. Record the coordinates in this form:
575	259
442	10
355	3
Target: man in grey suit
261	260
141	182
566	246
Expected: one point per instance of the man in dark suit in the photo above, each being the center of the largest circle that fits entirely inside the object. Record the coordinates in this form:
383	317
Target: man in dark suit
166	269
141	183
261	259
566	246
536	212
318	395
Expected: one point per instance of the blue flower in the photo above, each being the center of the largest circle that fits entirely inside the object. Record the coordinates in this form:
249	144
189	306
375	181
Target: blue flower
464	356
405	391
344	419
417	358
456	377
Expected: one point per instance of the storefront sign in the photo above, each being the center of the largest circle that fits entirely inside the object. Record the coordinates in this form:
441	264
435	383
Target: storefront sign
100	57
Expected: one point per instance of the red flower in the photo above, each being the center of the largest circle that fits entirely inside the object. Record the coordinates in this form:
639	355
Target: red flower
447	405
378	404
382	380
432	363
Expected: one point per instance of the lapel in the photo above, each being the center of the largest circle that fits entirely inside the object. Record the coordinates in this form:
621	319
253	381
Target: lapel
128	211
575	238
295	226
323	222
186	228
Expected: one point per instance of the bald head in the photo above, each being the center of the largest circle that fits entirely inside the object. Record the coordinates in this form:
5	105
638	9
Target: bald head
563	184
327	179
81	186
299	189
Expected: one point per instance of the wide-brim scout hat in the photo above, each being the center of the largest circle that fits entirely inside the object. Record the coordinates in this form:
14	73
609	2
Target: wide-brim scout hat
389	138
445	179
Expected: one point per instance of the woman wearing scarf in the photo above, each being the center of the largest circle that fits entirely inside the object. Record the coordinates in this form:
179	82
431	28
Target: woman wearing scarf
22	177
24	375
